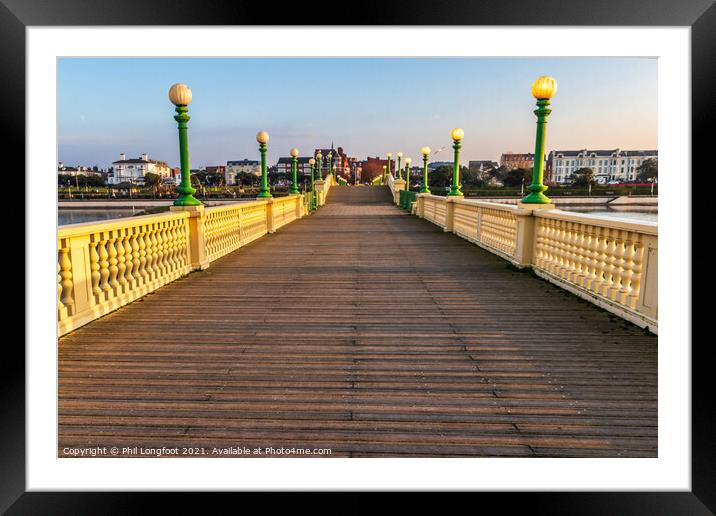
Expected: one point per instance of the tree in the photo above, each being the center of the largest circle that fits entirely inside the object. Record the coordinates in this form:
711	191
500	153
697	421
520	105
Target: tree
648	171
440	177
153	180
517	177
583	177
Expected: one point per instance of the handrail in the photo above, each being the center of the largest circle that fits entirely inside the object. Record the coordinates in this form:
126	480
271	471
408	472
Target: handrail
610	262
102	266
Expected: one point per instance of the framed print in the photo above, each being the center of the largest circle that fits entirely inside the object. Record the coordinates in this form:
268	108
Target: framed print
249	266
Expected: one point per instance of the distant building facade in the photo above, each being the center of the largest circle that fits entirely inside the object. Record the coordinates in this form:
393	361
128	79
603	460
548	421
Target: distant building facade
133	170
76	171
248	166
512	161
611	165
303	167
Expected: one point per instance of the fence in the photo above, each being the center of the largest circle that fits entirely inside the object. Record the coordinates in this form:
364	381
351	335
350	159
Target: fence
102	266
610	262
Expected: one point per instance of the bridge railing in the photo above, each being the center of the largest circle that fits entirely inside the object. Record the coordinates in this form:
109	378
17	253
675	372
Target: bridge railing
322	187
102	266
395	186
610	262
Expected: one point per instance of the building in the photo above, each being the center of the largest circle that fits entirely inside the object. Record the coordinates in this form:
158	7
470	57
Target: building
76	171
340	161
248	166
373	167
611	165
511	161
482	165
284	166
133	170
217	169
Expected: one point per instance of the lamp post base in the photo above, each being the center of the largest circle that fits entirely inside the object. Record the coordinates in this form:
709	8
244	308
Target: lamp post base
264	194
187	200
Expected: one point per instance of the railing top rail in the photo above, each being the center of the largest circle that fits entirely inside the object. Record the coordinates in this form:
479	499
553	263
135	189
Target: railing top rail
648	228
233	205
84	228
491	205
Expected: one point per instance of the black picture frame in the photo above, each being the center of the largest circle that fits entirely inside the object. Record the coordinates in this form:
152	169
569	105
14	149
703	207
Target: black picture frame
700	15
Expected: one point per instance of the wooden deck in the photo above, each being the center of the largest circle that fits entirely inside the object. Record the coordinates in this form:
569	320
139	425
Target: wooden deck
369	332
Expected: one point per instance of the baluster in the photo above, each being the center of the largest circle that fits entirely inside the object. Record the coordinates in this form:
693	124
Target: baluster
627	270
600	258
638	263
580	245
60	304
161	265
121	267
143	254
590	261
175	255
151	247
103	266
618	265
137	257
609	267
113	269
561	248
66	282
94	267
128	259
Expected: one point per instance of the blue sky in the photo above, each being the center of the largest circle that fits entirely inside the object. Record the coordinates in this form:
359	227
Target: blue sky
369	106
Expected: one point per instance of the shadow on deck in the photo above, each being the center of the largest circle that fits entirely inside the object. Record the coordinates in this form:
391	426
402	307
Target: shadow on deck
369	332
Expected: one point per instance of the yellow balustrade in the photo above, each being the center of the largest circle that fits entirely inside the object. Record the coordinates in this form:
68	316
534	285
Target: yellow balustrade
609	262
102	266
105	265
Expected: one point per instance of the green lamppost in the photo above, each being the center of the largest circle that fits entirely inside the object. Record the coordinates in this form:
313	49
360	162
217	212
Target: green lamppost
456	135
387	168
407	174
542	89
399	155
384	169
329	157
425	151
319	171
294	169
180	96
312	162
262	137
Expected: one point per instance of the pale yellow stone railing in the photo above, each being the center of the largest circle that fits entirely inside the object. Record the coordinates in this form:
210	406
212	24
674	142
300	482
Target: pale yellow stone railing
611	262
103	266
614	260
395	185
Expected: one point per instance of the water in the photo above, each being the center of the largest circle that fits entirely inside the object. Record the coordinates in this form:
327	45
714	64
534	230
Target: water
75	216
634	213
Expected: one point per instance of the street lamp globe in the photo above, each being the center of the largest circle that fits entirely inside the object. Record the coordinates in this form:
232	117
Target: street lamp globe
319	155
407	161
457	134
425	151
311	161
262	137
294	152
180	94
400	154
390	155
544	88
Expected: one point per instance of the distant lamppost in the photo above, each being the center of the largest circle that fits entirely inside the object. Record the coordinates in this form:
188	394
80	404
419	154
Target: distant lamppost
542	89
312	162
262	137
180	96
456	135
407	174
329	169
425	151
384	169
388	165
399	155
294	169
319	171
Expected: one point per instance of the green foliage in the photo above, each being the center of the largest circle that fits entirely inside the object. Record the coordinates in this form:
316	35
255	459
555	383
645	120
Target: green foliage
648	171
517	177
583	177
80	180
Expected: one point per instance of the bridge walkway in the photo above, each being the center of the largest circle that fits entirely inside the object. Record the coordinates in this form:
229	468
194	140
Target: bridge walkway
370	332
